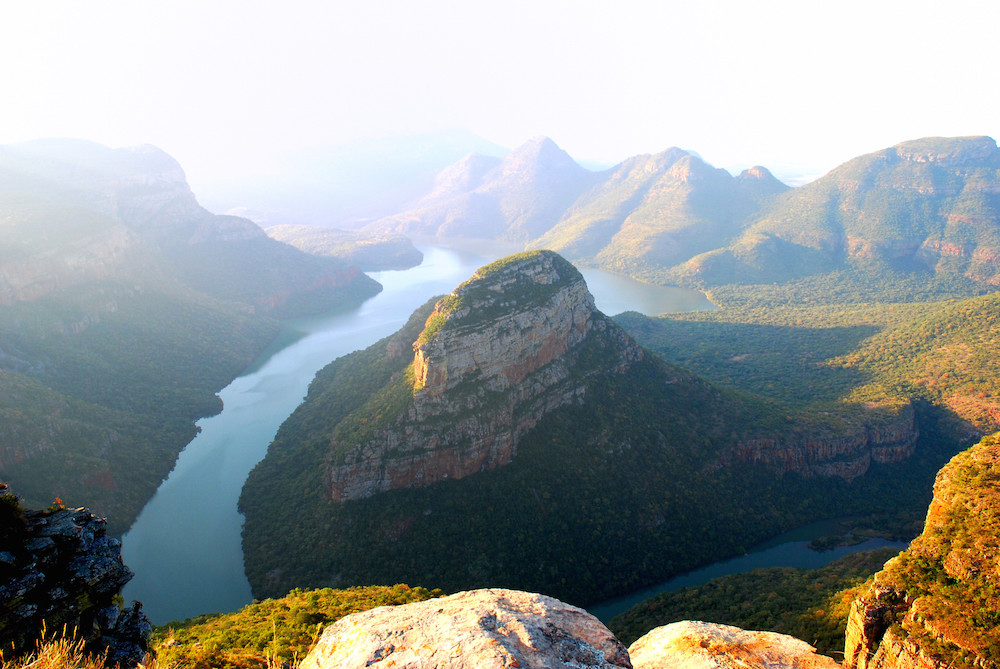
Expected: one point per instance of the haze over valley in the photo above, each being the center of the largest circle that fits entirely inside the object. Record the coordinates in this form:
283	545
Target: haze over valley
665	326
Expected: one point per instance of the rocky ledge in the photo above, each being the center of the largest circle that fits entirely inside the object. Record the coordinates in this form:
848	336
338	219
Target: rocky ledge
60	570
495	356
845	456
937	605
494	629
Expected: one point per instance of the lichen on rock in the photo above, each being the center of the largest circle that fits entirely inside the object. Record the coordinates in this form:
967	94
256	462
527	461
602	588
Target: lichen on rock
59	570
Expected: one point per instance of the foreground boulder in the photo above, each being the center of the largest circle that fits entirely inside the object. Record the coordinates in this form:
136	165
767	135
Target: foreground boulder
480	629
696	645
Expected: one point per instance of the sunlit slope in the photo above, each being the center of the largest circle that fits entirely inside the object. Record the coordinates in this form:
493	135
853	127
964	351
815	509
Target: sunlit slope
515	198
654	212
924	206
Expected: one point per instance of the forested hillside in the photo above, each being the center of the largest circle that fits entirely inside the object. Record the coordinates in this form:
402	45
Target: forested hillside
124	308
647	472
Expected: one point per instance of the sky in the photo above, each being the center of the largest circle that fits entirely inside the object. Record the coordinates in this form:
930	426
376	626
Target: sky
228	86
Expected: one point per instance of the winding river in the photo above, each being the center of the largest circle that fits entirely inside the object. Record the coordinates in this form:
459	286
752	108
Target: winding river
185	545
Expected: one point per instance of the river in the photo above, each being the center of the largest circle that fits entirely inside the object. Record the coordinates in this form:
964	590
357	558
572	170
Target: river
185	545
787	550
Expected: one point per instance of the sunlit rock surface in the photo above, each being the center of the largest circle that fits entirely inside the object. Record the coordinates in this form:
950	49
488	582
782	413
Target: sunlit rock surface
936	604
495	357
697	645
481	629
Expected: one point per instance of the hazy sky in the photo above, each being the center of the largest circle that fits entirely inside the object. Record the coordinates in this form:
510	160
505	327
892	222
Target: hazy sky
225	85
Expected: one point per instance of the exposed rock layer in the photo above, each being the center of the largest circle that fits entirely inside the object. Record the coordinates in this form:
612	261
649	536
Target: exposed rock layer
496	356
847	456
61	569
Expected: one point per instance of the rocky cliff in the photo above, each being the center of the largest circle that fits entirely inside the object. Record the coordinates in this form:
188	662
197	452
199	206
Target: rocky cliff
59	570
495	356
936	604
845	456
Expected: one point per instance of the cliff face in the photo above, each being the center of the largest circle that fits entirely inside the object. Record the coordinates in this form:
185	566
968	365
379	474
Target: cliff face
936	604
495	356
846	456
60	568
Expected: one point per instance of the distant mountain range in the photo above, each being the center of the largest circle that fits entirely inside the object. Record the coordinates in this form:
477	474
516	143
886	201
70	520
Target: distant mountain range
347	185
924	207
929	205
124	307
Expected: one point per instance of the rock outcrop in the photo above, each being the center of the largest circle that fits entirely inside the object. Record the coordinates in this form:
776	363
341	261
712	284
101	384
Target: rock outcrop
495	356
60	570
846	456
698	645
936	604
492	628
481	629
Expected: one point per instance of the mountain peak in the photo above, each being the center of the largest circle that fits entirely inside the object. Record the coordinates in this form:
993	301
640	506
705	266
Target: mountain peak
513	284
539	153
494	357
758	179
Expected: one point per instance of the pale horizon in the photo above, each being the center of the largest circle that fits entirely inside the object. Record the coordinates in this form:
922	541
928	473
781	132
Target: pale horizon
233	89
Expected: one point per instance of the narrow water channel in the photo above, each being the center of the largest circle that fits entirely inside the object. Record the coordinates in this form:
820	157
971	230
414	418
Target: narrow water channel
185	545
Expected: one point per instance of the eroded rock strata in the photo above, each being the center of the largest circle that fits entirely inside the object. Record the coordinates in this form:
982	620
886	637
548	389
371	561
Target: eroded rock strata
495	356
845	456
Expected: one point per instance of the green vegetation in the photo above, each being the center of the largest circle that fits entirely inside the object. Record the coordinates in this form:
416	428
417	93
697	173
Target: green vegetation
125	309
604	496
653	212
102	385
949	568
274	631
809	604
824	364
921	208
478	299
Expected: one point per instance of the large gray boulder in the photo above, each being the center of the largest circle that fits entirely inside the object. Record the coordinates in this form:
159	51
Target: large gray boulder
480	629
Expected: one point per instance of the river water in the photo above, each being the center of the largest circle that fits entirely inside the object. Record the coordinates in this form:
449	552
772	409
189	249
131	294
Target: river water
185	545
787	550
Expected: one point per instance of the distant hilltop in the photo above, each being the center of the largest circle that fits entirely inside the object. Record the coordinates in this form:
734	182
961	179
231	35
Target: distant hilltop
928	206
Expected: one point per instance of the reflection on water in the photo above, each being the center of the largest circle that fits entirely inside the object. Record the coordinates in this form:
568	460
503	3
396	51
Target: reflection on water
185	545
